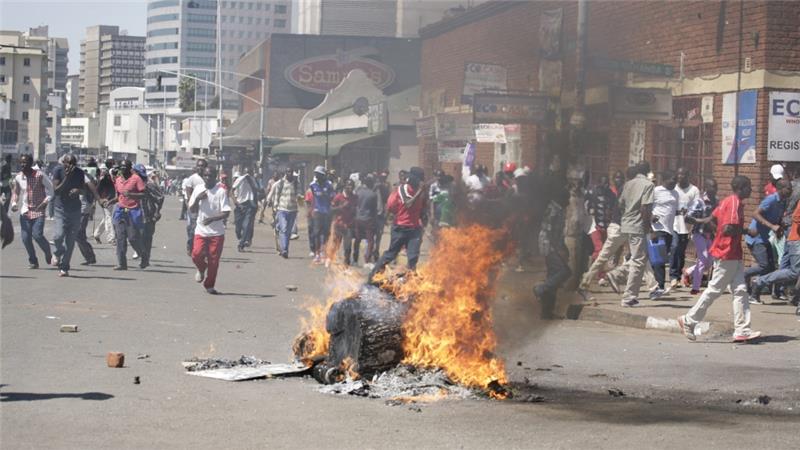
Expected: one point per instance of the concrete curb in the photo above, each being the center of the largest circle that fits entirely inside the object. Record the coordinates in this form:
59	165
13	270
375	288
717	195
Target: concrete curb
631	320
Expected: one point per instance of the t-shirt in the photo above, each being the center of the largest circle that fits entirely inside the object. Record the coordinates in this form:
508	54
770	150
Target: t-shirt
686	198
446	210
367	204
729	212
772	208
665	204
75	180
636	193
323	194
134	184
217	202
346	216
243	187
193	181
793	234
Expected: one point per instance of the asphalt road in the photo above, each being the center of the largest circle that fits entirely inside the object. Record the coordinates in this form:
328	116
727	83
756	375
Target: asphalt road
58	393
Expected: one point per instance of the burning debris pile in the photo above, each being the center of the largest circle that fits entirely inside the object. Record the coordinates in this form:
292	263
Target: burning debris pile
437	320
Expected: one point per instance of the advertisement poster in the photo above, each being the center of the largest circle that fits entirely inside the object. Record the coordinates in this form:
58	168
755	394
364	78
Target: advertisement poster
707	109
638	135
550	33
783	139
490	132
451	151
481	78
739	136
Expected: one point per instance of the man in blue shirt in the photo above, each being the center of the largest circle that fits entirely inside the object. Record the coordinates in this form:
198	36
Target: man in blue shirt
768	217
322	190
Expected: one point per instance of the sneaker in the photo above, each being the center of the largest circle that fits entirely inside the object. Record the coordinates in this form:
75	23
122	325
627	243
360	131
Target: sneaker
686	280
54	261
755	300
584	295
120	268
294	236
144	265
369	266
694	291
658	293
135	255
629	303
612	283
240	248
674	284
199	276
602	282
285	255
63	273
89	263
33	266
211	291
747	336
311	254
686	329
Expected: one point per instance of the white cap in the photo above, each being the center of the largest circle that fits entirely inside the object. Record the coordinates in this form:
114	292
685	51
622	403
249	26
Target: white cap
776	171
319	169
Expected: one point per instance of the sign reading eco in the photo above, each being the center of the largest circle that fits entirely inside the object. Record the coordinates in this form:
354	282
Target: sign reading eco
783	140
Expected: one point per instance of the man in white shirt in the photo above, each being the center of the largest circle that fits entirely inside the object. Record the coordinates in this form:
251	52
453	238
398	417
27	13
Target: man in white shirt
688	194
189	185
32	191
244	199
210	205
665	205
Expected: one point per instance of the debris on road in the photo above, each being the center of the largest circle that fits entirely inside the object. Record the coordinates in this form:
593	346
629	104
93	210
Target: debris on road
52	317
291	287
764	399
531	398
197	364
142	356
615	392
245	368
115	359
69	328
136	380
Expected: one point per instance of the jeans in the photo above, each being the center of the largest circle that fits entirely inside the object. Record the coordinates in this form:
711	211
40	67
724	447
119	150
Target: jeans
613	242
659	270
410	238
68	224
678	256
33	230
781	276
557	273
146	243
342	235
126	231
206	253
365	229
244	220
83	244
106	225
285	223
726	274
765	262
322	229
312	246
637	247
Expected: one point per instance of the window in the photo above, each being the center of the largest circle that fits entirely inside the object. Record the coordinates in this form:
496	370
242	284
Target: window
163	4
280	23
250	5
224	19
241	49
117	121
163	60
202	18
249	35
233	5
162	32
685	142
249	20
258	6
280	9
266	6
258	21
201	47
241	5
163	46
224	4
241	19
203	32
224	32
162	18
241	34
26	80
2	60
258	35
26	62
26	98
2	79
25	115
266	22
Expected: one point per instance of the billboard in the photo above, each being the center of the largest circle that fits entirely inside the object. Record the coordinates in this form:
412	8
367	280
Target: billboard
783	139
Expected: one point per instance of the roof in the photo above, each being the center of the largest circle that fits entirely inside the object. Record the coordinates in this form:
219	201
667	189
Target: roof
315	145
244	131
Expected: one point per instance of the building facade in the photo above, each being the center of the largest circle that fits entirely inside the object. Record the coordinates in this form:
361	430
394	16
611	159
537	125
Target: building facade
682	60
71	94
81	135
182	35
57	55
109	59
23	95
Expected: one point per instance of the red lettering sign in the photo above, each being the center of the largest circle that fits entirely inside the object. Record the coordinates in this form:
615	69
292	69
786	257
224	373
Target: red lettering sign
323	73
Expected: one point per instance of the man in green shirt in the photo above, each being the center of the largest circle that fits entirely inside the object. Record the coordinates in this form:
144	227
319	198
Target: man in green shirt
635	204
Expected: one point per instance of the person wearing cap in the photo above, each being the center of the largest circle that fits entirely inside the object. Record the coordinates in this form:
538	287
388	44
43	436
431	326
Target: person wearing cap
283	198
408	203
776	173
151	204
128	219
322	193
767	218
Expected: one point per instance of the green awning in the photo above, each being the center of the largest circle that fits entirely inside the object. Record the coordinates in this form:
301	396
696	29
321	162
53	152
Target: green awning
315	145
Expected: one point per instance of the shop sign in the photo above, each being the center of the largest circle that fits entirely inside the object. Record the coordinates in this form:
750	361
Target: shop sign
323	73
739	136
490	132
426	127
499	108
641	104
623	65
783	140
377	121
707	108
454	127
480	77
451	151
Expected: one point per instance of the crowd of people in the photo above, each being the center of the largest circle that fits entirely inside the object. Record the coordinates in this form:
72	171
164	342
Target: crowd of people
581	231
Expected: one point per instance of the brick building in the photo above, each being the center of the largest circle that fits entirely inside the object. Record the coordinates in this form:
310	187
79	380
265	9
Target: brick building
692	50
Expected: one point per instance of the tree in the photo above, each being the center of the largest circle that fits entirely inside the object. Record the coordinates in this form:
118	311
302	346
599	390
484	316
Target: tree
186	91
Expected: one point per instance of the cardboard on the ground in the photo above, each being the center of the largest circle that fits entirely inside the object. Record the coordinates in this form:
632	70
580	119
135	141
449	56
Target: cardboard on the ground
243	373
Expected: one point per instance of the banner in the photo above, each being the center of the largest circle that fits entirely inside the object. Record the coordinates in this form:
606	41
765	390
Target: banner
739	136
783	139
454	127
426	126
482	77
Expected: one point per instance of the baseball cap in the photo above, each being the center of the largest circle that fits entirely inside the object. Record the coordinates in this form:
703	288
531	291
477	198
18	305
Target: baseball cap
776	171
140	169
320	170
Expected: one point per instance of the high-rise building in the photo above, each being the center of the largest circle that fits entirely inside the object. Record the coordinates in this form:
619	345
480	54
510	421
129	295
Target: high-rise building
57	55
109	59
386	18
182	35
23	81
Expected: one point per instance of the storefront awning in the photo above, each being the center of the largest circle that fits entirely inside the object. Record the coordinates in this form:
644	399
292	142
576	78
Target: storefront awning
315	145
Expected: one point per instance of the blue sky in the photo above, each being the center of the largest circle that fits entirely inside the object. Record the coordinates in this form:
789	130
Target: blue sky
69	19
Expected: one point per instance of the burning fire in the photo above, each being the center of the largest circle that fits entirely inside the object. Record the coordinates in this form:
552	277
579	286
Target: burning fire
449	321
